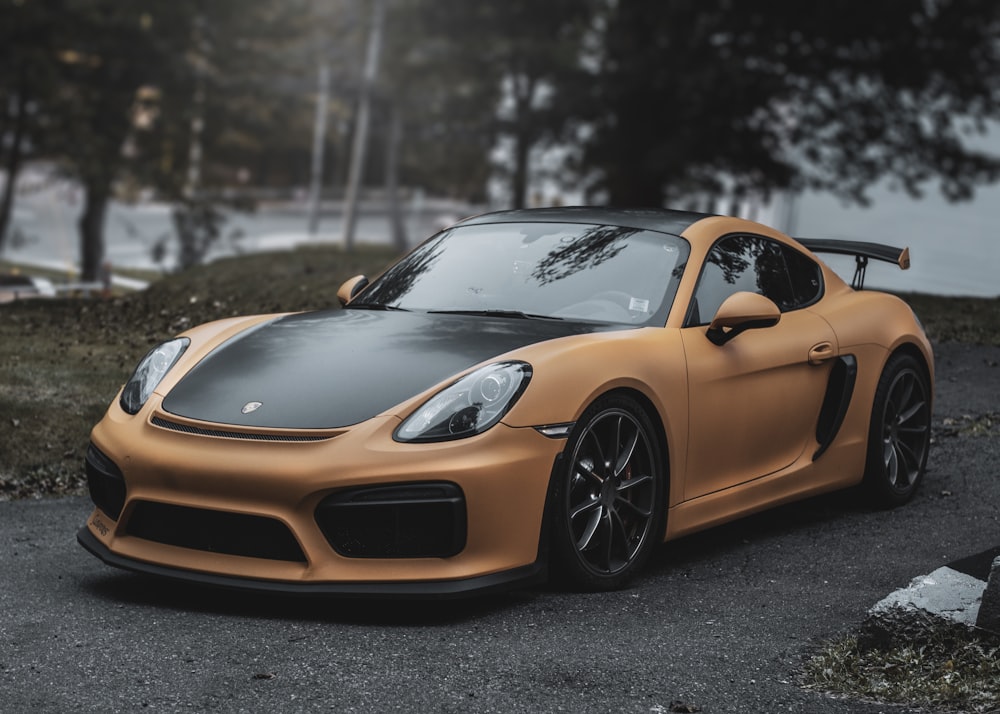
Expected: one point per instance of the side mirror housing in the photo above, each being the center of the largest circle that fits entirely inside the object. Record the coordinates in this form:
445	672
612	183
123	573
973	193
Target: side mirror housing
740	312
350	289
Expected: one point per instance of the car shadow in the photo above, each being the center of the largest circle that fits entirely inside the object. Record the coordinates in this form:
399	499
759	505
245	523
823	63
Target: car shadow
137	589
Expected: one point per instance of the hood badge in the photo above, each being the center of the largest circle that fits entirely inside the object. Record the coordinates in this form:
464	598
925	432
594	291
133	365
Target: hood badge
251	407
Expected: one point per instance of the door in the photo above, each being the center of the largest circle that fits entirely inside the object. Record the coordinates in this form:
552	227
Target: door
755	400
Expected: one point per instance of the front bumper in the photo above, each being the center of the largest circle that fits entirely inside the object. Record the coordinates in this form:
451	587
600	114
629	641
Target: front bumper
503	476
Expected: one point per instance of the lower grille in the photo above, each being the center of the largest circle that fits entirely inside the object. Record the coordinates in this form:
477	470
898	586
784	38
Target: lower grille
214	531
426	520
105	483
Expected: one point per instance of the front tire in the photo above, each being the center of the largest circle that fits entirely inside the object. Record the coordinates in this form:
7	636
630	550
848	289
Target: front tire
610	496
900	433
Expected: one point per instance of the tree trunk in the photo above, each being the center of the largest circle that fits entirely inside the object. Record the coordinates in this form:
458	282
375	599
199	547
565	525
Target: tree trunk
319	143
13	163
91	227
12	169
355	177
519	179
524	93
396	224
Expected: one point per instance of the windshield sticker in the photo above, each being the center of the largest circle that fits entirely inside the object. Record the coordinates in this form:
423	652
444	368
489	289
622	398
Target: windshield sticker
637	305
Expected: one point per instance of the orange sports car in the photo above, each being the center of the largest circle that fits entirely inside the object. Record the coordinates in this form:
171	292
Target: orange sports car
533	391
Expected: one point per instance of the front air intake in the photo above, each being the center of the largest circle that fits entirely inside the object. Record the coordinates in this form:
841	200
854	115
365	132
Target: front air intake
105	483
425	520
214	531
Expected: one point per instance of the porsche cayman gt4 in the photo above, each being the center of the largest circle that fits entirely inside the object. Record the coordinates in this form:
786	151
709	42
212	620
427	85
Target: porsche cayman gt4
526	392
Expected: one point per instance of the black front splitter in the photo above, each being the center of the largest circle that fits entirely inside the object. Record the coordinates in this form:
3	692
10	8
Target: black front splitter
426	590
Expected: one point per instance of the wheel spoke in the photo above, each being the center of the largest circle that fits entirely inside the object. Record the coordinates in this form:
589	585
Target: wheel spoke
597	445
907	384
891	465
588	533
594	502
891	411
910	413
618	529
643	513
633	482
908	457
609	538
626	454
901	476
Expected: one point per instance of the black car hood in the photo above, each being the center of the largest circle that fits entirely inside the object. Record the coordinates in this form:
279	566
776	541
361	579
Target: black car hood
331	369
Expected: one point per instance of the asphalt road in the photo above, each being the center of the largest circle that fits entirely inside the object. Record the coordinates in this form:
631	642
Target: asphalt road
721	620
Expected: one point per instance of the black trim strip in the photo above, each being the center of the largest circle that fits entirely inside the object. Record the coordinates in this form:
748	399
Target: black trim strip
249	436
432	589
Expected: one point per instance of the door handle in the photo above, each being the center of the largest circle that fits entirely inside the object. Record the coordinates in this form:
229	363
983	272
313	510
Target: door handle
821	353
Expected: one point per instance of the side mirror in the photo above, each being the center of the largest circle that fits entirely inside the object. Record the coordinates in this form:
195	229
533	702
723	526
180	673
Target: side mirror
350	289
739	312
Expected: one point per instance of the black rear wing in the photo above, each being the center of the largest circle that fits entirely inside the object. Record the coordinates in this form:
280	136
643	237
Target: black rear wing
861	252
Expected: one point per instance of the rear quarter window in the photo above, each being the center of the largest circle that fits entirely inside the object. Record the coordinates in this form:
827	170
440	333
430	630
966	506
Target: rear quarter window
806	277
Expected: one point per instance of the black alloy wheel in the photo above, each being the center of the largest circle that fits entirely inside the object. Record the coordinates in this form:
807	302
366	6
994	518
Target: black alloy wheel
610	496
900	432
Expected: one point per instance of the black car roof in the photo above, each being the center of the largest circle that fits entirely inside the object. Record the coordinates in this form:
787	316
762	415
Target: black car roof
654	219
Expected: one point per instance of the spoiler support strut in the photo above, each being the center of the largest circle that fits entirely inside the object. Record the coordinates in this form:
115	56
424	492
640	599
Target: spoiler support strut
861	252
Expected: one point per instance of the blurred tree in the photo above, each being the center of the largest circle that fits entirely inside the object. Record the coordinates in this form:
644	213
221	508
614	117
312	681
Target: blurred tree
135	88
26	75
536	50
444	95
228	100
786	94
467	74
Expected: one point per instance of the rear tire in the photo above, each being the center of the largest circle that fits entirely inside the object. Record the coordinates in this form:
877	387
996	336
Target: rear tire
900	433
609	497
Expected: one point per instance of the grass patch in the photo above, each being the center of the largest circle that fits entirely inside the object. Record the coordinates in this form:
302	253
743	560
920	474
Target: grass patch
944	667
63	360
958	319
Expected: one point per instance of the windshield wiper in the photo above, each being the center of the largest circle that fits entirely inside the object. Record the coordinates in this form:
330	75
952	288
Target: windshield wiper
518	314
375	306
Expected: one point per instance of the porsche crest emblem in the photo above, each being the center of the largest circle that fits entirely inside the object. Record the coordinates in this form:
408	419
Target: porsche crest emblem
251	407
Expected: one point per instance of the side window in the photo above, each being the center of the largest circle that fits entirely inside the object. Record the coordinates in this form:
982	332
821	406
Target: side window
757	265
806	277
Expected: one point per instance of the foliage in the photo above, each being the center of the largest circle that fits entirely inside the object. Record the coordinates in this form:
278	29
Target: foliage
446	95
120	76
691	96
958	319
944	667
26	73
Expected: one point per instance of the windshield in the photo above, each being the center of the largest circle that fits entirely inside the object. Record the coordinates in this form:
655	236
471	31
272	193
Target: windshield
544	270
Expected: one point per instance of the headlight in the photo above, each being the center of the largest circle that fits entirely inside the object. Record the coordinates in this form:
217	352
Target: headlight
469	406
153	368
